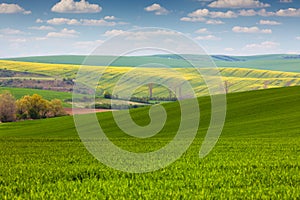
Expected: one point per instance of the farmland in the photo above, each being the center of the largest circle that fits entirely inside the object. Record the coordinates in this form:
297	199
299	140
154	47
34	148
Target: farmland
275	62
257	155
238	79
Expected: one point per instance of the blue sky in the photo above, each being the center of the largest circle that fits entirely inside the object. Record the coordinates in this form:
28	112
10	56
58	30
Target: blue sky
233	27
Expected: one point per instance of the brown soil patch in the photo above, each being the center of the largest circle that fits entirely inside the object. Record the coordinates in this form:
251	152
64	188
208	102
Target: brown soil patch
78	111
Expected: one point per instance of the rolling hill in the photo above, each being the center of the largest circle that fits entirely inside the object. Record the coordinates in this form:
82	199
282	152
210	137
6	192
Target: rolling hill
276	62
257	155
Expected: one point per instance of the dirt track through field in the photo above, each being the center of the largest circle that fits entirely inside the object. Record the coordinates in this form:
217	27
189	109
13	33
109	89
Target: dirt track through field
78	111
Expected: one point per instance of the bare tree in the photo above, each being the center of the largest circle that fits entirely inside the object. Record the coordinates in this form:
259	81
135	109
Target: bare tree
150	85
7	107
227	85
266	84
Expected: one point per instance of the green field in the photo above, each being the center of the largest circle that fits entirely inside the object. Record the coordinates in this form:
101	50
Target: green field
256	157
276	62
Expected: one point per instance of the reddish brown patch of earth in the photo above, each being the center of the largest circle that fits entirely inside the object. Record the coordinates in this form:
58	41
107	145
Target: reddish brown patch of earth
77	111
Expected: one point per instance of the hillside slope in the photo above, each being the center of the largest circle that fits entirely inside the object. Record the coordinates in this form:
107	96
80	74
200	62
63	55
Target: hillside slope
256	157
238	79
276	62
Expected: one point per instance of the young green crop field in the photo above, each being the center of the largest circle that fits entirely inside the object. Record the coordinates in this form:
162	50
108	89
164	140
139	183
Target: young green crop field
256	157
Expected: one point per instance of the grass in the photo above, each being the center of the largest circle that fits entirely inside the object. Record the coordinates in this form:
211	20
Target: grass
256	157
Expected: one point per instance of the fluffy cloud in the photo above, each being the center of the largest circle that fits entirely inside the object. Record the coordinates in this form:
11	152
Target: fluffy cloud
229	49
42	28
214	22
238	4
12	8
286	1
96	22
139	35
254	29
202	31
110	18
290	12
64	33
206	13
298	38
157	9
114	32
251	12
192	19
269	22
83	22
60	21
70	6
87	44
261	46
200	15
9	31
207	37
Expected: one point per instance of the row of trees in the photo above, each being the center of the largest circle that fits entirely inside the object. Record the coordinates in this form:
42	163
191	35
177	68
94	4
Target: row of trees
28	107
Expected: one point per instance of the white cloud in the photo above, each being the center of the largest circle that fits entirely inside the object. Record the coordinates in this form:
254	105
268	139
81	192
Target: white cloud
200	15
298	38
42	28
290	12
286	1
267	45
70	6
114	33
64	33
269	22
12	8
157	9
229	49
254	29
39	20
206	13
110	18
207	37
214	22
18	40
10	31
238	4
202	31
228	14
87	44
82	22
139	35
60	21
192	19
96	22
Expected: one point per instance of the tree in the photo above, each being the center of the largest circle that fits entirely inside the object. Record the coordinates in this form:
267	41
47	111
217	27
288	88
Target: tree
7	107
35	107
23	105
56	108
107	95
